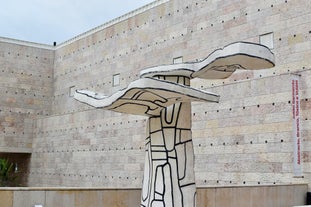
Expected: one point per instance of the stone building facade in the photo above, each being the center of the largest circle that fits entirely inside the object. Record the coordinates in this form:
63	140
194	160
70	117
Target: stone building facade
245	140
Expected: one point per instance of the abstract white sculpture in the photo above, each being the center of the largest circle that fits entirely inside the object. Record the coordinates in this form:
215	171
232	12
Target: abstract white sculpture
163	93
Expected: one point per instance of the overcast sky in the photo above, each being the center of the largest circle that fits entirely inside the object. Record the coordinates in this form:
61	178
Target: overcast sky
48	21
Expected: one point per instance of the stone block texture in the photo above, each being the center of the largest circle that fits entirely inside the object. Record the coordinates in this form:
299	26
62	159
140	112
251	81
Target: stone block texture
26	82
276	196
245	140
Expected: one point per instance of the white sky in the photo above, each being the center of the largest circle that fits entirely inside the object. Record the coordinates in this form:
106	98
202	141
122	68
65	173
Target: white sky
48	21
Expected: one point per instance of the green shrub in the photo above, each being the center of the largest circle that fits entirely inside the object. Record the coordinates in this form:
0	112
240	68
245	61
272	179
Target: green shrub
7	175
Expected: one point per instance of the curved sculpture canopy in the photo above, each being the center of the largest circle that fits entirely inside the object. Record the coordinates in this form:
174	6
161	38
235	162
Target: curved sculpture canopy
221	63
145	96
149	95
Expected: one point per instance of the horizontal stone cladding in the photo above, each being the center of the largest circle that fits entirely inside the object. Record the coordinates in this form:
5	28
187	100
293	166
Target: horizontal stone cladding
26	80
246	139
281	196
89	148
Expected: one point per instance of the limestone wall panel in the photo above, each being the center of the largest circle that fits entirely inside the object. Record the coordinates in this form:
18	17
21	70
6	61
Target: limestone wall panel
247	136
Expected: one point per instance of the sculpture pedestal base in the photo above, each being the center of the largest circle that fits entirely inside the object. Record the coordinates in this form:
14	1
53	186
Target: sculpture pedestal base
169	174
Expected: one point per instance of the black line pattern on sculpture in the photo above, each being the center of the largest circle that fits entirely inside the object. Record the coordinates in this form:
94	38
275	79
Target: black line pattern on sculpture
170	166
147	103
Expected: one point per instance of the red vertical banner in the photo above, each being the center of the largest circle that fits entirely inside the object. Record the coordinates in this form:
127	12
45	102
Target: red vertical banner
296	127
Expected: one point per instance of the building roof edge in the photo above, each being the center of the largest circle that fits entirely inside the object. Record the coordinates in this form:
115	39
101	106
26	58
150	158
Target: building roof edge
26	43
113	21
87	33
